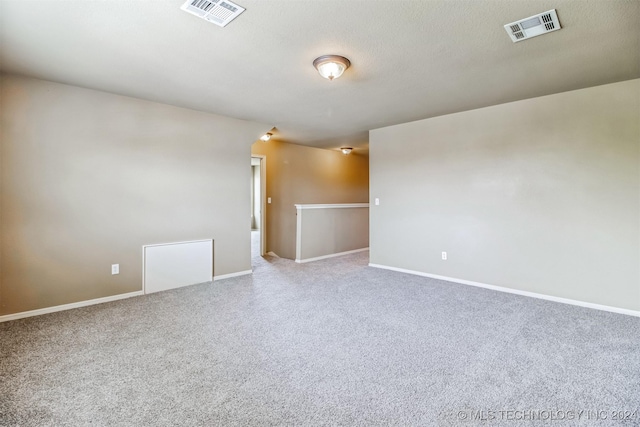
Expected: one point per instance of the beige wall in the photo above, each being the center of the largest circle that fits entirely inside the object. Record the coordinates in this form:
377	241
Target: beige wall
328	231
541	195
89	177
305	175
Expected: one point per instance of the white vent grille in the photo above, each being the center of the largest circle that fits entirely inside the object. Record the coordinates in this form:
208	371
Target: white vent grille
532	26
220	12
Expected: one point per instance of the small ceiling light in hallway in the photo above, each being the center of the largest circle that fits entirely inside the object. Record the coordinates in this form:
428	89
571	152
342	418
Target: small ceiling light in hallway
266	137
346	150
331	66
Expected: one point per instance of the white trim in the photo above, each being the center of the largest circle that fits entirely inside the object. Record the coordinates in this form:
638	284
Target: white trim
228	276
298	233
47	310
302	261
178	243
334	206
515	291
263	202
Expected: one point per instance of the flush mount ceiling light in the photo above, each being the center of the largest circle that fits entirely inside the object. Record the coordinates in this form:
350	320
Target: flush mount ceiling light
346	150
266	137
331	66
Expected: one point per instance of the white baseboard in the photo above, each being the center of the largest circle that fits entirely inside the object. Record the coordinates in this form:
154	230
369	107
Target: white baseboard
515	291
302	261
227	276
47	310
271	253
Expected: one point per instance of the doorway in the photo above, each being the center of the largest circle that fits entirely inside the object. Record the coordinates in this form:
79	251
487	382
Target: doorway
258	205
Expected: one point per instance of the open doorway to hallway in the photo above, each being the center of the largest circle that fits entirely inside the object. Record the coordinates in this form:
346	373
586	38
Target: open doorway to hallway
258	205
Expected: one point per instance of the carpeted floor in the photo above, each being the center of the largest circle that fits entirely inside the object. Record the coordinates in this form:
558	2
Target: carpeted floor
333	342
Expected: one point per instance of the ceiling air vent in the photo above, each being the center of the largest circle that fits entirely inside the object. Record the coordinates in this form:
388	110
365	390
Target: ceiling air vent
536	25
220	12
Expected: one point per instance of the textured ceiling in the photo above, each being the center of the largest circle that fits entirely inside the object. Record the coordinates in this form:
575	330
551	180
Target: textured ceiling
410	59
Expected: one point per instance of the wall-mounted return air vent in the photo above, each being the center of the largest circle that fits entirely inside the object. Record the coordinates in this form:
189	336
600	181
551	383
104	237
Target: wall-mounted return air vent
532	26
220	12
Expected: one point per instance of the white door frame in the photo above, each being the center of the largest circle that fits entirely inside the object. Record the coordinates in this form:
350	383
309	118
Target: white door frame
263	202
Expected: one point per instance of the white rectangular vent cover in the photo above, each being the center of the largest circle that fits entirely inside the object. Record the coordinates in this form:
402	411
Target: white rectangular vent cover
532	26
220	12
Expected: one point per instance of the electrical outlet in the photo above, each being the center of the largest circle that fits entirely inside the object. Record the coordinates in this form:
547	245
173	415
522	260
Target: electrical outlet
115	268
444	256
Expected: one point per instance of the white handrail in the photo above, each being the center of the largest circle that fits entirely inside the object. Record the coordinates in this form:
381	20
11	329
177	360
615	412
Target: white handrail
333	206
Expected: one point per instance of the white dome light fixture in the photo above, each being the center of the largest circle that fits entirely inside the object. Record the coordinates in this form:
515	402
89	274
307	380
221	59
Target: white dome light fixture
346	150
266	137
331	66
